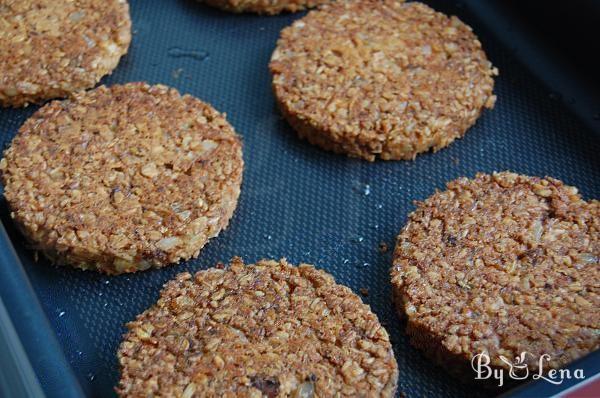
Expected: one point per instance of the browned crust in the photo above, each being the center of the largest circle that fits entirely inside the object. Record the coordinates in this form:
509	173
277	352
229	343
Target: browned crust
433	348
269	329
431	345
52	48
124	178
269	7
501	264
381	79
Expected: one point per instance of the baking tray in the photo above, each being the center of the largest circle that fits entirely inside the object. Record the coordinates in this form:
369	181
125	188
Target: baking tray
297	201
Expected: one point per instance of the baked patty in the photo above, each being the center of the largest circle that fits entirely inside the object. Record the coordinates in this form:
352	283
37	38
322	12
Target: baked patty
52	48
269	329
123	178
501	264
269	7
381	79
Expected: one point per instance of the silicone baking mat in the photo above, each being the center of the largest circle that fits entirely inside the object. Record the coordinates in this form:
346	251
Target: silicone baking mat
297	201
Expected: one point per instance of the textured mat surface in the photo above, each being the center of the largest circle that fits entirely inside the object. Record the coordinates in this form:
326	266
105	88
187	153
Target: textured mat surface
298	201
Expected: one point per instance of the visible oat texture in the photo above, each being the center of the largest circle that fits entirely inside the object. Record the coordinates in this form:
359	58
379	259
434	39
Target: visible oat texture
381	79
269	7
124	178
264	330
501	264
51	48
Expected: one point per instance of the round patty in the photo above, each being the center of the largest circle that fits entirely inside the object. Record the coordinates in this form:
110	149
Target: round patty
51	48
123	178
501	264
270	329
264	6
380	79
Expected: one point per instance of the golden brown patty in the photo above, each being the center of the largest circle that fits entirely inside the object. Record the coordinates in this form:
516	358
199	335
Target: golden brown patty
264	6
501	264
270	329
381	78
123	178
51	48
